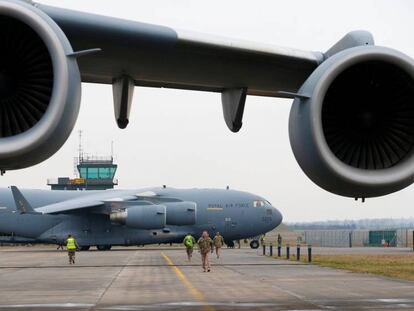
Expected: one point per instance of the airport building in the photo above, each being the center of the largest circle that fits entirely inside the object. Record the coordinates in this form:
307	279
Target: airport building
93	173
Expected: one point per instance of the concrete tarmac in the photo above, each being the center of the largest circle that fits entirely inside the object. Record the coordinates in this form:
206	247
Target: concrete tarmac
36	278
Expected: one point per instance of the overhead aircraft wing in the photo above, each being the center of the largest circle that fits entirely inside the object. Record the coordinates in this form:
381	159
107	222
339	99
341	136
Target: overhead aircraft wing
138	54
160	56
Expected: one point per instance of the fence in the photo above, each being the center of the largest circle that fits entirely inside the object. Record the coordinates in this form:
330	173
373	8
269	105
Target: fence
354	238
329	238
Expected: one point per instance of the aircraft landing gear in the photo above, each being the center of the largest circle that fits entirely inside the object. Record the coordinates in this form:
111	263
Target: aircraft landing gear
254	244
229	244
103	247
85	247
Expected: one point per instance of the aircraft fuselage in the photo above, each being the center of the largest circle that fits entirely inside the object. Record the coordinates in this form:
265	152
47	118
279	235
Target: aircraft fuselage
237	215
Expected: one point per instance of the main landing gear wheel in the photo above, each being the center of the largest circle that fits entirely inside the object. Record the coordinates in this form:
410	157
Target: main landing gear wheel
254	244
230	244
104	247
85	247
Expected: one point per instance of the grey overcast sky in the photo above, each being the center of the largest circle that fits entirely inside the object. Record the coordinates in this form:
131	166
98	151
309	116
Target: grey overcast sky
179	138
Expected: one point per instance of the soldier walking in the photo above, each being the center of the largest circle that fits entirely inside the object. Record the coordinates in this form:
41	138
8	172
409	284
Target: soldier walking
205	244
218	243
71	246
189	243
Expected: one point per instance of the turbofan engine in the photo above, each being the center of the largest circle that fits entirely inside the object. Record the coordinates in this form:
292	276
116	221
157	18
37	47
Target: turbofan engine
351	126
39	86
181	213
141	217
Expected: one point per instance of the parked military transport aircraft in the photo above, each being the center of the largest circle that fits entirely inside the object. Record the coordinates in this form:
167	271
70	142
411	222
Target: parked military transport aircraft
351	125
133	217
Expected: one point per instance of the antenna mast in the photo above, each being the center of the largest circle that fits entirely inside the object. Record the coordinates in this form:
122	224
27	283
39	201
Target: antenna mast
80	149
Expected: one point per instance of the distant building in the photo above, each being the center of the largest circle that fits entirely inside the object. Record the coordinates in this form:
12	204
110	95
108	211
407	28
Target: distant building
94	173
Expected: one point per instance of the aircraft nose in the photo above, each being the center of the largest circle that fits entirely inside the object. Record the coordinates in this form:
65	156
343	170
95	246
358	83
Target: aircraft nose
277	218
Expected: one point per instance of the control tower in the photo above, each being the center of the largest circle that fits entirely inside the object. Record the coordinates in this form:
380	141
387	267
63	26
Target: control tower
93	173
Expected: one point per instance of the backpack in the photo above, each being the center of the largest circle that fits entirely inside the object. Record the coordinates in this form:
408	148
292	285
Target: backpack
188	242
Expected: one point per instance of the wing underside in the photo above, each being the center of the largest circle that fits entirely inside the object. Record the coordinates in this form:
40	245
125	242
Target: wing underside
159	56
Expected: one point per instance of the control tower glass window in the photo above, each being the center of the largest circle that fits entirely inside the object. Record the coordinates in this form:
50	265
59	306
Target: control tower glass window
106	172
97	172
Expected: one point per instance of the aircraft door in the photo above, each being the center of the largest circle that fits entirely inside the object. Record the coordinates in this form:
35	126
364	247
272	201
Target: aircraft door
229	226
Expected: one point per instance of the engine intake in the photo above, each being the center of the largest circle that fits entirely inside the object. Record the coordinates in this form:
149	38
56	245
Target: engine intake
354	135
368	115
26	77
39	86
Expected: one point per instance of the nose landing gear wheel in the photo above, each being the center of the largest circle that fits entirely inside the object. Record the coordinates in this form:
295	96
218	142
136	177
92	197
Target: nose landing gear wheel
85	247
254	244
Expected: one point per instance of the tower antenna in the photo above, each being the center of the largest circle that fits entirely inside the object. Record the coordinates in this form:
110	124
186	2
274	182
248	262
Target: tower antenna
80	149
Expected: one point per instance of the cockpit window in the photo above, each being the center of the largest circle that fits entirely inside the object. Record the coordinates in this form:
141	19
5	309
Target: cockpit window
261	203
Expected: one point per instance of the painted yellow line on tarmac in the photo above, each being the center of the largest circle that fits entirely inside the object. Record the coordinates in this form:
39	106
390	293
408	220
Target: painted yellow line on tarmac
193	290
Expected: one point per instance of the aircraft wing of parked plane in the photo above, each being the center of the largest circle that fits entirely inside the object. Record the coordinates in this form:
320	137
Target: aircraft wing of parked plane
70	206
351	125
99	202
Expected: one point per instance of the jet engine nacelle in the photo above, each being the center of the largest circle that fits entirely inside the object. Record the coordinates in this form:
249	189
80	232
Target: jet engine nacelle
352	125
181	213
40	86
141	217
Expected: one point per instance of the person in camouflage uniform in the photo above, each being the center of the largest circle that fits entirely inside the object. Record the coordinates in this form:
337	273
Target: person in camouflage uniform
205	244
218	243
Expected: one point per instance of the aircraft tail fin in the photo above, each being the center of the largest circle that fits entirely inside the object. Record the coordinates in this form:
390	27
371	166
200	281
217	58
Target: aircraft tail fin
22	205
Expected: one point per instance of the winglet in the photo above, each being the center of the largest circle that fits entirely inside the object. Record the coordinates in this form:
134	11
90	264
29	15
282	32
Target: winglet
21	203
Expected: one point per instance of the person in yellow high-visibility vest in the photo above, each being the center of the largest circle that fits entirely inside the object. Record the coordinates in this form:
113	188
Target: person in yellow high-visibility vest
71	246
189	243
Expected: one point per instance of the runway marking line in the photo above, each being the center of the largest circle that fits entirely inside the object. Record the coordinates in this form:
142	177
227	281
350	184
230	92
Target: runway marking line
191	288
